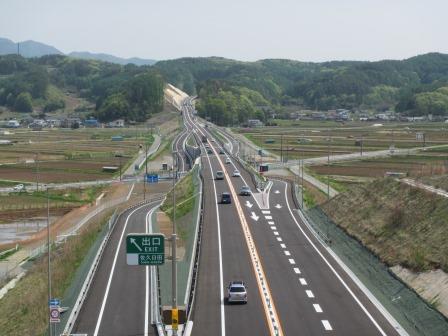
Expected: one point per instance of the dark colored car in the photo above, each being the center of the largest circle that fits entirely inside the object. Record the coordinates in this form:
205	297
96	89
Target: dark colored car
226	198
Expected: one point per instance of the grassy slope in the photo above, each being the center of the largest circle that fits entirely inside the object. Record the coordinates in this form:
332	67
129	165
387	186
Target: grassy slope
401	224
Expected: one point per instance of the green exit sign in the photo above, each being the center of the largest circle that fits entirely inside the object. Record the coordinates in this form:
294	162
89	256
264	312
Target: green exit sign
145	249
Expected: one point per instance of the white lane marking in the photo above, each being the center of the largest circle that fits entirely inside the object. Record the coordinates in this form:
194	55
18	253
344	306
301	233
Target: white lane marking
254	216
309	293
303	281
109	281
278	206
271	223
317	308
287	253
327	325
273	227
265	212
249	204
332	268
221	286
292	261
283	245
268	217
148	230
296	270
277	192
279	239
275	233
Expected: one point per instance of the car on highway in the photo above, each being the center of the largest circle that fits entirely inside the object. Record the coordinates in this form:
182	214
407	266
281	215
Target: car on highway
236	173
226	198
19	187
219	175
228	160
245	191
237	292
209	151
221	151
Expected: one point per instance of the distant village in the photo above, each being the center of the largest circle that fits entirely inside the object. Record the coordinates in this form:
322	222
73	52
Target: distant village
39	124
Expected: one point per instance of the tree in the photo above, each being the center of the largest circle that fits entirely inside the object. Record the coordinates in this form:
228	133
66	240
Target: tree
23	102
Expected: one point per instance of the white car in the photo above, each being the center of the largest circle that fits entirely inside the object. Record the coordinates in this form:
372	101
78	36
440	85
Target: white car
236	173
19	187
228	160
236	292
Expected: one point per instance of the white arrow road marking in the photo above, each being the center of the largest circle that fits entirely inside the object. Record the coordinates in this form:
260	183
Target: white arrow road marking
254	216
133	242
278	206
277	192
249	204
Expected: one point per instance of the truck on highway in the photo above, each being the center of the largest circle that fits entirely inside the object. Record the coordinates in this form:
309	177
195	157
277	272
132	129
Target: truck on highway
204	139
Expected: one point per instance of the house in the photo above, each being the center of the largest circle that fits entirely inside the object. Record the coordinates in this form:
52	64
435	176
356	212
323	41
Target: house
116	123
91	123
254	123
12	124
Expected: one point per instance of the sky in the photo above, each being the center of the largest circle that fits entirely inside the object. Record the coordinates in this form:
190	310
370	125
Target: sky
248	30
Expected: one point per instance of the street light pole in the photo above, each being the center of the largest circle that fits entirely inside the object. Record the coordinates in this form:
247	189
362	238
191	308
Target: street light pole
173	244
328	163
49	258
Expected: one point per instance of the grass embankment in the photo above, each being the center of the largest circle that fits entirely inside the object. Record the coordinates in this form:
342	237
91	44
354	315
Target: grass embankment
402	225
184	201
24	309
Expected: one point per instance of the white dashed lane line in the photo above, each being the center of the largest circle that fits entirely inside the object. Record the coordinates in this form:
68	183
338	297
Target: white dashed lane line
309	294
302	281
327	325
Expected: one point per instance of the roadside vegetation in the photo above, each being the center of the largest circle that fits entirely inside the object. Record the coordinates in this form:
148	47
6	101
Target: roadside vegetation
24	309
402	225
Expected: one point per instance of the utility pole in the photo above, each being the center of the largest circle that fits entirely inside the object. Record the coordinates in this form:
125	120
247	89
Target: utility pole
362	142
173	244
146	171
281	148
37	171
49	260
328	163
303	186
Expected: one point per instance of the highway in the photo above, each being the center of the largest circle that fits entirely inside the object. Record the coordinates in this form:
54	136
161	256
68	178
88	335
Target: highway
308	291
295	285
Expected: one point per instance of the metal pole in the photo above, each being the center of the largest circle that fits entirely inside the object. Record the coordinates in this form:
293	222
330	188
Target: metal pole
281	148
173	245
303	187
49	260
146	171
37	171
328	163
362	142
120	167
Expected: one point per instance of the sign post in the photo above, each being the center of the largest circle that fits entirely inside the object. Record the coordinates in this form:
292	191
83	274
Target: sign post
175	319
145	249
54	314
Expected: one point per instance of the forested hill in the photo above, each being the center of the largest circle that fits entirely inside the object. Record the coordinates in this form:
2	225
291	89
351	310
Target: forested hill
416	86
42	84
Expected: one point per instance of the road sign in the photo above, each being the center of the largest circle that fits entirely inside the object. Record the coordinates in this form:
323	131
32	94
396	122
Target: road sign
152	178
54	314
54	302
145	249
175	318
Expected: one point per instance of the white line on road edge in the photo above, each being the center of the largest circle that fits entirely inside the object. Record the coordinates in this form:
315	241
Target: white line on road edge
106	294
327	325
303	281
355	279
148	229
317	308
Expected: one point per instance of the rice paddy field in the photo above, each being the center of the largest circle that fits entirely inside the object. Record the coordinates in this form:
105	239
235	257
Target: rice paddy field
306	139
66	155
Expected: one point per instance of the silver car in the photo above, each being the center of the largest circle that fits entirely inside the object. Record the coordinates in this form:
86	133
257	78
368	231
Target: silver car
236	292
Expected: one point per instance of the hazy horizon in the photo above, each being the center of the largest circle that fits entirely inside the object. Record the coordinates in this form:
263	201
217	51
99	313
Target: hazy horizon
246	31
